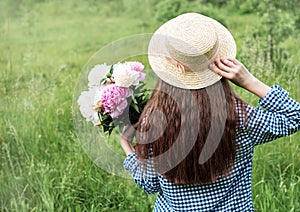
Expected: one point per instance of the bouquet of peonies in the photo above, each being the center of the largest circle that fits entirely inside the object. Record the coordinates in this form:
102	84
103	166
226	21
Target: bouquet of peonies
116	95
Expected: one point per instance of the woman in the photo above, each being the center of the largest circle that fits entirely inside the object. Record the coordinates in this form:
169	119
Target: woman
195	138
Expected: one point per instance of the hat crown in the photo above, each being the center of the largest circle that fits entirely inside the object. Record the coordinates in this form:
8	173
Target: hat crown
192	40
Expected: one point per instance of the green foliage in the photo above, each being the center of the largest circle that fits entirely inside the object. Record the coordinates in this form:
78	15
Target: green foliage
277	23
9	9
216	3
168	9
256	6
140	100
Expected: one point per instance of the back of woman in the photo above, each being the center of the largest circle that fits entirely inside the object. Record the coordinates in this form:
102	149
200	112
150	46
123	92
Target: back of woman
196	138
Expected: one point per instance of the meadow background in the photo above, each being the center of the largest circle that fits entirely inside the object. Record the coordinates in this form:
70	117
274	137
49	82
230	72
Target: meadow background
44	46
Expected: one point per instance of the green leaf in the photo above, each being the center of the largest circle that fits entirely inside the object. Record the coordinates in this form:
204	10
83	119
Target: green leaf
111	70
136	108
134	99
103	81
139	94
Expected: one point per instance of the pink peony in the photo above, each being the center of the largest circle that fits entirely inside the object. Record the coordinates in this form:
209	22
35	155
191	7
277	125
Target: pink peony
114	99
136	66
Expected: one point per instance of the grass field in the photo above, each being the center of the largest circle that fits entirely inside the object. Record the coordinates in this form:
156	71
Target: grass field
43	49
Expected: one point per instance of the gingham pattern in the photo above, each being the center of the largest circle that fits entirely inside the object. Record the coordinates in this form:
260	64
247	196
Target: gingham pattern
281	117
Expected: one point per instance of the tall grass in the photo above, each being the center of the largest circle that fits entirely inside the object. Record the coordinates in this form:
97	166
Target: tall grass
43	48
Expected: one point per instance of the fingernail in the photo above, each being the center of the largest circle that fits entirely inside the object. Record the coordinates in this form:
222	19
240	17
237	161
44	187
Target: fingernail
210	66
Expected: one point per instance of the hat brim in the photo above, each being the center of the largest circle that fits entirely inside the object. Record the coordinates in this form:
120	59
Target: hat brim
169	73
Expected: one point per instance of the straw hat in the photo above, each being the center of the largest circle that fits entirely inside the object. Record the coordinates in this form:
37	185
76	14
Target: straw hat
195	41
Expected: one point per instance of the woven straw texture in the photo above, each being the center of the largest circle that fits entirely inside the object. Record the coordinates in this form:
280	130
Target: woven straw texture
195	40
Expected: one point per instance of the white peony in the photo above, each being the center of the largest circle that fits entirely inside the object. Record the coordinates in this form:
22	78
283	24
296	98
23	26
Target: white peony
97	94
85	102
97	73
124	76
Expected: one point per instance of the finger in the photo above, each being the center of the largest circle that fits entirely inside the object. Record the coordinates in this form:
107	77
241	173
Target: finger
219	71
222	66
227	62
234	61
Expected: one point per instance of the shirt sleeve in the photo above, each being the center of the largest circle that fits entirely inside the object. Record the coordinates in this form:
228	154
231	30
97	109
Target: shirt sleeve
280	117
145	177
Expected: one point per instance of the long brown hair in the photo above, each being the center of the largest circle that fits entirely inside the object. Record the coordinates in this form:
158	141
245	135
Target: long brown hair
184	125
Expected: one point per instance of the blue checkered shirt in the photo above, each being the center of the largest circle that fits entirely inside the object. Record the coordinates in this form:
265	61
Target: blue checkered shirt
280	117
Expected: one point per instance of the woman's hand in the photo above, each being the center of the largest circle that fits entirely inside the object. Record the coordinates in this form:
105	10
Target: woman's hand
236	72
126	138
126	146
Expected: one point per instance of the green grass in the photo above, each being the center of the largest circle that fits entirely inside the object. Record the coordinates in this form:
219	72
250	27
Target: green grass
43	49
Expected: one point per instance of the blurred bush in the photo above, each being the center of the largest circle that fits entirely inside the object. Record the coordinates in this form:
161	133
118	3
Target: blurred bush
168	9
